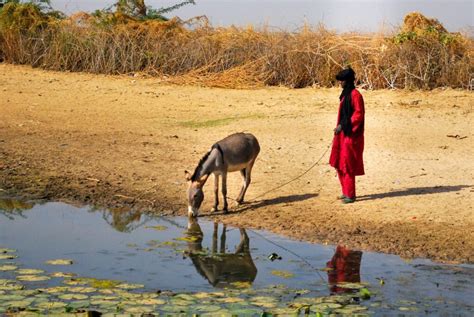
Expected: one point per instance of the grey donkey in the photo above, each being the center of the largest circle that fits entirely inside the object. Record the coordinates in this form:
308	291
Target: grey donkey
237	152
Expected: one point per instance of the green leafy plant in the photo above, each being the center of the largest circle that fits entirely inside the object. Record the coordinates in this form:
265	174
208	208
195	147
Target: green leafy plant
139	10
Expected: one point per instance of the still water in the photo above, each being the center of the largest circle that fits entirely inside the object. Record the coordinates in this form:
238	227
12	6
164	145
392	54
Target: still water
175	256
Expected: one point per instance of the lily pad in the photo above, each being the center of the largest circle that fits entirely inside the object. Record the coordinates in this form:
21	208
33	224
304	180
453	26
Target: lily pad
62	274
127	295
350	310
187	239
246	312
206	308
139	309
26	292
169	244
221	313
173	308
79	304
79	289
76	281
284	311
104	303
283	274
33	278
130	286
104	297
185	297
51	305
39	300
202	295
265	304
11	287
13	297
242	284
73	296
159	228
6	281
150	301
231	300
351	285
8	267
106	291
60	262
403	308
8	256
29	271
325	306
103	283
17	304
149	295
55	290
6	250
181	302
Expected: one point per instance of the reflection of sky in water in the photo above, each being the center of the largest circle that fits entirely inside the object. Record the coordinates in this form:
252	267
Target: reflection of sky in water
56	230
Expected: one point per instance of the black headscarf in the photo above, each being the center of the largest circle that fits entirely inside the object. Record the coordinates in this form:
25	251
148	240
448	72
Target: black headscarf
348	76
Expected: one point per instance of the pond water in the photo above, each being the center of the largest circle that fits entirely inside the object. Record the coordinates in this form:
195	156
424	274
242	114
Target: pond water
130	262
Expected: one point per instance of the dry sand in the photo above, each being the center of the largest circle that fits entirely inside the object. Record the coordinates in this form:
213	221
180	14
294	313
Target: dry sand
126	141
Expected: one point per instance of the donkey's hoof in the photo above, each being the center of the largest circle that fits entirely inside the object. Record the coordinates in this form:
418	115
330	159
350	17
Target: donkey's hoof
240	203
214	209
225	211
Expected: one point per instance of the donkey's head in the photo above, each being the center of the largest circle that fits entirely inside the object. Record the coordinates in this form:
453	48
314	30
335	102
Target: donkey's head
195	193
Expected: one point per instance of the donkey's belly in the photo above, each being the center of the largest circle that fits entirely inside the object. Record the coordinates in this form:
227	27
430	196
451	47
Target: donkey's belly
236	167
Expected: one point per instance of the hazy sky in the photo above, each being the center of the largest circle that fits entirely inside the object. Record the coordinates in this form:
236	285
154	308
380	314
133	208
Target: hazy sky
343	15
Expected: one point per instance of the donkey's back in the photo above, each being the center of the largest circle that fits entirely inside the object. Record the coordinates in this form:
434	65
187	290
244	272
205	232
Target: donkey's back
238	150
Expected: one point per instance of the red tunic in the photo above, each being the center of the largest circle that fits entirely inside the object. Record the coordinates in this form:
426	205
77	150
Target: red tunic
346	154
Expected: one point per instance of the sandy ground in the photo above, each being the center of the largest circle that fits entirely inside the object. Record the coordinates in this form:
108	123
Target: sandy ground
126	141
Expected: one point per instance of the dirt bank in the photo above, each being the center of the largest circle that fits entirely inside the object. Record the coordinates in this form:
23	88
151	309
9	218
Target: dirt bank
126	141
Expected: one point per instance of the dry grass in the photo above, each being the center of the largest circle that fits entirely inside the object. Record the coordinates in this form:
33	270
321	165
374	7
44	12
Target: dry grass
422	55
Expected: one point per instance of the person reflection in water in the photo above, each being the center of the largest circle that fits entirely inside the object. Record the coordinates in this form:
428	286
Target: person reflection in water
219	268
345	267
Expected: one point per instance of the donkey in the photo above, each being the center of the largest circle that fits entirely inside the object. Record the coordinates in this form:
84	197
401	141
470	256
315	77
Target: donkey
219	268
236	152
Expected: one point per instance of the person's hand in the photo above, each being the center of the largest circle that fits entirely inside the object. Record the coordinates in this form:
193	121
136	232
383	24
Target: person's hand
338	129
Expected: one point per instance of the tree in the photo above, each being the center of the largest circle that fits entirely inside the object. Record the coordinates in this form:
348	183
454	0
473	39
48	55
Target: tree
138	9
43	4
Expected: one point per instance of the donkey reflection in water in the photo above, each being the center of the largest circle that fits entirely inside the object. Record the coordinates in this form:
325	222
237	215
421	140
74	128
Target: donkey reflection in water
219	268
237	152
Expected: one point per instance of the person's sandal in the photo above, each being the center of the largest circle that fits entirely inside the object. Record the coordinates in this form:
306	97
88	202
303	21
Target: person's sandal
342	197
348	200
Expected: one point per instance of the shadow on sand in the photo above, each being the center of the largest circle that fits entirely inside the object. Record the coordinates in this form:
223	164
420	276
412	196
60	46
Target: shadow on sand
265	202
274	201
414	192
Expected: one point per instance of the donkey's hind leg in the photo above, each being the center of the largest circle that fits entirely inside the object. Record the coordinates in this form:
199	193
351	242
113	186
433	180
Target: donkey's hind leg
248	178
240	198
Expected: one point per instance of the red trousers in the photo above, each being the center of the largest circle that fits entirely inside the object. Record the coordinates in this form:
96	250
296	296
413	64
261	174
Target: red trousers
347	184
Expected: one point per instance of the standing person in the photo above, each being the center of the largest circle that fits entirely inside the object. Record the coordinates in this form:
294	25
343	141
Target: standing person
348	144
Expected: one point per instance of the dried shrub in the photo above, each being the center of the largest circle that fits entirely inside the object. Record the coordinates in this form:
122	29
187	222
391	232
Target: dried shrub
422	55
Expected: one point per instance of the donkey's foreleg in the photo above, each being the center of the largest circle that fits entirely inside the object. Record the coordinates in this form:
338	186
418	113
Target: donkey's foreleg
216	193
224	191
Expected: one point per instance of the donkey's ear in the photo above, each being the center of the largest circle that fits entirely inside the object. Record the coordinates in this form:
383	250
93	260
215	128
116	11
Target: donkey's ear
187	175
